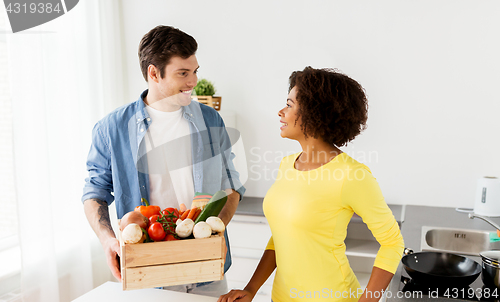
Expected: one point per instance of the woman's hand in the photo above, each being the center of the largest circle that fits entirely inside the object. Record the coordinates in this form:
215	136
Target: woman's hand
236	294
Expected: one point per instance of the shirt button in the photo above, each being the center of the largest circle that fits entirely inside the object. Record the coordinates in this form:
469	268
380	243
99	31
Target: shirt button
198	176
142	130
138	119
148	119
190	114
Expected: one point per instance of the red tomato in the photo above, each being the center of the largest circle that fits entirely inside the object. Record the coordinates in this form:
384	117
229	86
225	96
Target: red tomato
153	218
170	237
170	229
156	231
171	214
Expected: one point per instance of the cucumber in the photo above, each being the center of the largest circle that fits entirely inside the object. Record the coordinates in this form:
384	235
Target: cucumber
213	207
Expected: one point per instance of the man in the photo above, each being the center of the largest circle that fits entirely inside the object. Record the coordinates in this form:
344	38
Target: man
162	147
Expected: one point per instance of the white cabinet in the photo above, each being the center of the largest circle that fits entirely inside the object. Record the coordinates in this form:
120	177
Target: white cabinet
361	250
248	237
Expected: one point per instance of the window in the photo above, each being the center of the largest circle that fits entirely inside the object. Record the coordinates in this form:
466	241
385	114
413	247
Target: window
8	206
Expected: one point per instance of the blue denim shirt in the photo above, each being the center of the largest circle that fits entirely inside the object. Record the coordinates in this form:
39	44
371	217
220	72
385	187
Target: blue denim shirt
117	161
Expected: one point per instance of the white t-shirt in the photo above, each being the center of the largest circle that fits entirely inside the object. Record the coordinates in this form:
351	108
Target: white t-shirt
168	145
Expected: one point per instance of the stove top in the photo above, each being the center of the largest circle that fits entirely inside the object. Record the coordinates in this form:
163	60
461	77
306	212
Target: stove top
475	292
433	291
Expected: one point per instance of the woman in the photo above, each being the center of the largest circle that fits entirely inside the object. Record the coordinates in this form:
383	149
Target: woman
315	195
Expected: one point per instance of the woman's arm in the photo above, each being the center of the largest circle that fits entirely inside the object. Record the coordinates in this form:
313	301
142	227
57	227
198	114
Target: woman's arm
364	196
265	268
379	280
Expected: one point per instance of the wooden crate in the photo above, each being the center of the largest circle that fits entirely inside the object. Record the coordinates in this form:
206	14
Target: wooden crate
212	101
156	264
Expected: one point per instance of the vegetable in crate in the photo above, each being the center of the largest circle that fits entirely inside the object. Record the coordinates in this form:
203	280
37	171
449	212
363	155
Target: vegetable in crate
171	214
132	233
185	228
156	232
214	206
200	200
202	230
133	217
216	224
147	210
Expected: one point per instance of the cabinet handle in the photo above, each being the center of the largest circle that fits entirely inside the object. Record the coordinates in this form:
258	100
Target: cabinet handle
252	222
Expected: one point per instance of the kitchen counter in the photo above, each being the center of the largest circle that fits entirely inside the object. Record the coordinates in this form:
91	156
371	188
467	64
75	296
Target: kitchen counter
250	206
253	206
112	291
418	216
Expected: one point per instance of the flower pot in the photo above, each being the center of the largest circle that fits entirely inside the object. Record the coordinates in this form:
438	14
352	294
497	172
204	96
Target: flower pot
212	101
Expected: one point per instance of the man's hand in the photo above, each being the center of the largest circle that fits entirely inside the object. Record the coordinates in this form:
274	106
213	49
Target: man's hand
113	253
98	216
227	213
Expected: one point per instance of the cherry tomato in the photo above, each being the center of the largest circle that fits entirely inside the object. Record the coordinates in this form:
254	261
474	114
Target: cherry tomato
170	229
156	231
153	218
171	214
170	237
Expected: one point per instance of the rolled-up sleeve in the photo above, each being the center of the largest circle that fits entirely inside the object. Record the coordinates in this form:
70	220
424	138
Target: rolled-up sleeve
230	177
361	192
99	183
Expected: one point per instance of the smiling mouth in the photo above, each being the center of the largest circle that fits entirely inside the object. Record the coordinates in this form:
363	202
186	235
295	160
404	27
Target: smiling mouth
186	91
283	125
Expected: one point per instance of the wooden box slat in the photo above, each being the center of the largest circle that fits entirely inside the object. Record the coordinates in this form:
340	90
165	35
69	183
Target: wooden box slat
174	274
157	264
154	253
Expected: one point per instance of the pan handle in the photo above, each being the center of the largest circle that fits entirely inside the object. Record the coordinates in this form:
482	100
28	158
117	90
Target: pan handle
408	251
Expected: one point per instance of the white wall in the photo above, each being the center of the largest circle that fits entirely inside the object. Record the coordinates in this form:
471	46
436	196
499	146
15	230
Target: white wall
431	70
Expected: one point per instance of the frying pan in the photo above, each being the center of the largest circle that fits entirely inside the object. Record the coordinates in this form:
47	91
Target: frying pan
440	269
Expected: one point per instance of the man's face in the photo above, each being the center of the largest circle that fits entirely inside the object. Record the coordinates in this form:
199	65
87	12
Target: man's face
179	80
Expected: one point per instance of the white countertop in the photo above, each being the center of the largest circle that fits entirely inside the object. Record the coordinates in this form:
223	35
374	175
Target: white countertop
112	291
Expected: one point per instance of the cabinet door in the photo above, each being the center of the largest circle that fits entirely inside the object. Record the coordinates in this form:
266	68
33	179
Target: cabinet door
240	273
248	236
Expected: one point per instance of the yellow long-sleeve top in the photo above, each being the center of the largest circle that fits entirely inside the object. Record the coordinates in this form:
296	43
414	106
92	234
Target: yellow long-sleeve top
308	213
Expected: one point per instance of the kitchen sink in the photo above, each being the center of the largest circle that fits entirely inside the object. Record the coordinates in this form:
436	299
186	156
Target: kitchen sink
460	241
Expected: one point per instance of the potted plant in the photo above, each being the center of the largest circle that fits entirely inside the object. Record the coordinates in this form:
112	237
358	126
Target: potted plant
205	91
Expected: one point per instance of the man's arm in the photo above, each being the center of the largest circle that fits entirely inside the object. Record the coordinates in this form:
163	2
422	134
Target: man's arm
97	213
230	177
227	213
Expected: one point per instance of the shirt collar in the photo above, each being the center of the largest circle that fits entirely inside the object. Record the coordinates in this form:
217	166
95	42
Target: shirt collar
141	113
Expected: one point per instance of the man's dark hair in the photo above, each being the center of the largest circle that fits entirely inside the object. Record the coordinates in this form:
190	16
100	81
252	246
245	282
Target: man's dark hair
332	106
162	43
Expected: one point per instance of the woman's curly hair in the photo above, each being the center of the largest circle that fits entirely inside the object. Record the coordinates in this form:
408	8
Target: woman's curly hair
332	106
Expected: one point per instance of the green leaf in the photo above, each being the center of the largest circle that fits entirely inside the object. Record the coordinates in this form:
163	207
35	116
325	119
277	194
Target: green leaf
204	87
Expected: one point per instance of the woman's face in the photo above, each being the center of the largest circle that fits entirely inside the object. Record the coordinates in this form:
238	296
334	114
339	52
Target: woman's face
288	117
